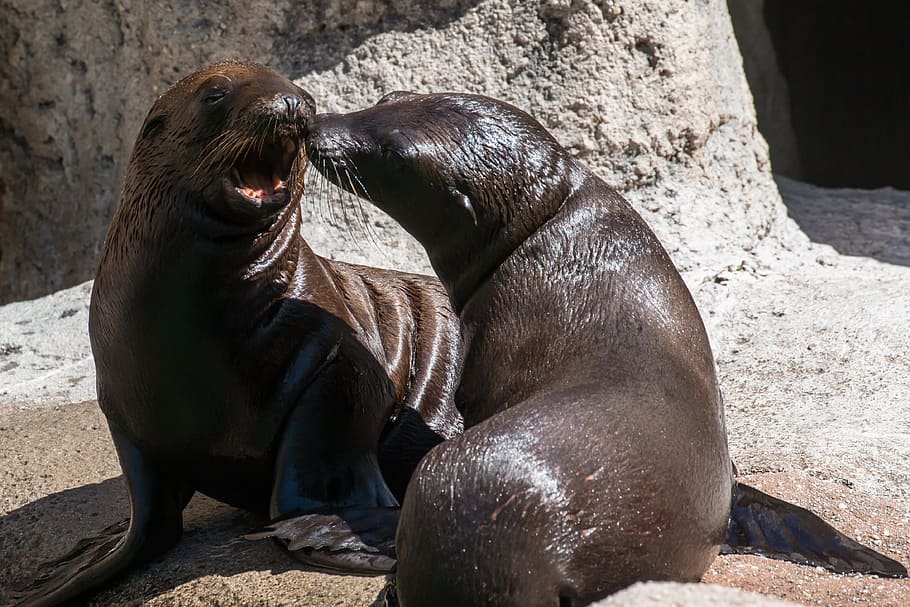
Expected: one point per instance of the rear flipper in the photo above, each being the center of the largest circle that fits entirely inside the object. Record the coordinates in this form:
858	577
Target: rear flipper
767	526
353	541
53	575
155	524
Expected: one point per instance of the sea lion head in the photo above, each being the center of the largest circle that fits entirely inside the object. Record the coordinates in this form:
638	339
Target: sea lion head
225	140
469	176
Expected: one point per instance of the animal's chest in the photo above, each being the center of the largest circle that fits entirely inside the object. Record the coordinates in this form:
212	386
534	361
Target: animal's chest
178	384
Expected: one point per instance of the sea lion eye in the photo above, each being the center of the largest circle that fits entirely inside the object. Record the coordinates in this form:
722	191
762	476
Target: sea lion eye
215	95
397	146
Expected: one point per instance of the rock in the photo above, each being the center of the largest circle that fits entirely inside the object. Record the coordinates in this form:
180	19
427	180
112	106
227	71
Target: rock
687	595
811	344
45	356
649	93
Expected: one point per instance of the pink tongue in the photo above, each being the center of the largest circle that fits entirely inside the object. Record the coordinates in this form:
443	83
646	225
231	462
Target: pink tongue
259	186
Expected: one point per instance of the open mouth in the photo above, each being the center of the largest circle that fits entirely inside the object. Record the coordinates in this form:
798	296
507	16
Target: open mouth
261	176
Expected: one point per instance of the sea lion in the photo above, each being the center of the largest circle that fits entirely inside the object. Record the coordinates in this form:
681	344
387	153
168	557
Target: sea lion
595	453
234	361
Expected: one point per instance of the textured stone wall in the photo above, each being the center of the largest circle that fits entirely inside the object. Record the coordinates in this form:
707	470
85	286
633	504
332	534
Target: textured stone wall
650	93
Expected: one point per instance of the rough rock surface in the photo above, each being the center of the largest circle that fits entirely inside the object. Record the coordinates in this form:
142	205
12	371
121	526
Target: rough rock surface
648	92
686	595
811	345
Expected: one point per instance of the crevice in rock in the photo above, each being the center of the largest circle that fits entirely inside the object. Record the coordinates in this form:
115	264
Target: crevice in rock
831	83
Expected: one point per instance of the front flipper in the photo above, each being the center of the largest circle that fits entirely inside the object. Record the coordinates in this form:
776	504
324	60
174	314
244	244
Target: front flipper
767	526
154	526
331	507
358	541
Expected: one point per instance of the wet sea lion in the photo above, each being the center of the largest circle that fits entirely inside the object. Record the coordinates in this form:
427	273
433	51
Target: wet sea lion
234	361
595	452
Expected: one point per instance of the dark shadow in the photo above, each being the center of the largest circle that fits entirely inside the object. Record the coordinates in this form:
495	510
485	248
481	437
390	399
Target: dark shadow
863	223
212	542
830	81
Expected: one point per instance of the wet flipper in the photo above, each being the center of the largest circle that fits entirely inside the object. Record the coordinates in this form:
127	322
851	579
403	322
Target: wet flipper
54	575
354	541
766	526
155	524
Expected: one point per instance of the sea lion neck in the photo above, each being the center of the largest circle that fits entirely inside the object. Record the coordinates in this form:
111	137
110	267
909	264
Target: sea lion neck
465	269
169	243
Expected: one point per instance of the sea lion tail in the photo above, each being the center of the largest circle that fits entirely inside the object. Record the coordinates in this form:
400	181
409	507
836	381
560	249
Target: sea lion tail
767	526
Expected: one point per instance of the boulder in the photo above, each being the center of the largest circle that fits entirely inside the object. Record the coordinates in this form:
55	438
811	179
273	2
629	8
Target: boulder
649	93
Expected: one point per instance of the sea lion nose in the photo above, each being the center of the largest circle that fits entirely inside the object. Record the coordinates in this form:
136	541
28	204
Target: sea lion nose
292	102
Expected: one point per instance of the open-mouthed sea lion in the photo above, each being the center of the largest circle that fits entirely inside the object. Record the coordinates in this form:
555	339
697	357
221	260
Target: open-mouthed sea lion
234	361
595	453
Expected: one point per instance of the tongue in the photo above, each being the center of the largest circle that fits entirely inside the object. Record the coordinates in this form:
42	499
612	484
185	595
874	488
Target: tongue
256	185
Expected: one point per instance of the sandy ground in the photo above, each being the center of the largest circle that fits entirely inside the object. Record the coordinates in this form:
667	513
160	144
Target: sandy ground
60	481
812	355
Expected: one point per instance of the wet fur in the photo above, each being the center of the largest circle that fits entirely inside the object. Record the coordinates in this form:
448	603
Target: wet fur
233	361
595	453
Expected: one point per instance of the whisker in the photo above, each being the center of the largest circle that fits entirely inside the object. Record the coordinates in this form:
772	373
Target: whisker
329	193
341	201
362	214
356	176
212	150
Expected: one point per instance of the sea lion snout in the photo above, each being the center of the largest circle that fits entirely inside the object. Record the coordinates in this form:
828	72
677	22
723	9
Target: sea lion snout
297	107
330	138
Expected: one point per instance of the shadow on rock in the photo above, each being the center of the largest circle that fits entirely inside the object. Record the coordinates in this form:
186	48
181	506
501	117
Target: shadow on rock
212	542
863	223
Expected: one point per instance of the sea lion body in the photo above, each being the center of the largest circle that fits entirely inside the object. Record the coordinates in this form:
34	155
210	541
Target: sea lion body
594	424
595	453
234	361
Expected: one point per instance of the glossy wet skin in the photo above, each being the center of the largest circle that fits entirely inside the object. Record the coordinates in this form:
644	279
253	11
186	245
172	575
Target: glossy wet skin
595	452
232	360
207	194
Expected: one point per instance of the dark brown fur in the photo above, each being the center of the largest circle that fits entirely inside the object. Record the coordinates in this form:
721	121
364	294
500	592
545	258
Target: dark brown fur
595	453
232	360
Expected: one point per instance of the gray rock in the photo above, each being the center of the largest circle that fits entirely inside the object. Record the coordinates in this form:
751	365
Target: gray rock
649	93
854	222
811	344
666	594
45	356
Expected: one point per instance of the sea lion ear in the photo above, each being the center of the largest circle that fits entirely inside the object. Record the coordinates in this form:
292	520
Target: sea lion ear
464	202
395	96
